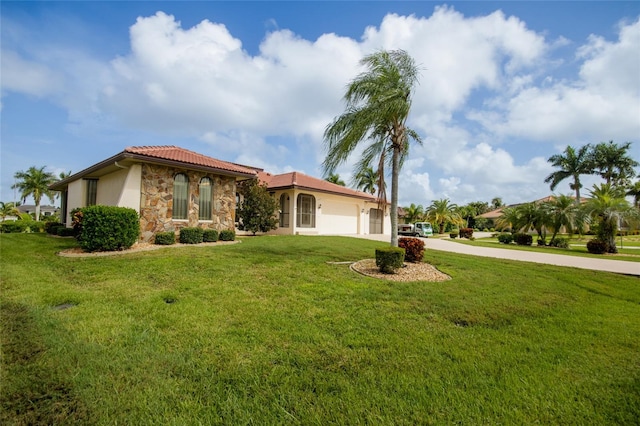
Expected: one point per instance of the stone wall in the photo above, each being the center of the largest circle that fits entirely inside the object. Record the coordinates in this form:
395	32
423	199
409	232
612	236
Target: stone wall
156	201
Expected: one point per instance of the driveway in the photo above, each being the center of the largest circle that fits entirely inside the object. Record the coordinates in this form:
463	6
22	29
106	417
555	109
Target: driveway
608	265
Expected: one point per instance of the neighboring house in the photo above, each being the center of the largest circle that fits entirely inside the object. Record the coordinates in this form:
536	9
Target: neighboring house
44	210
313	206
170	187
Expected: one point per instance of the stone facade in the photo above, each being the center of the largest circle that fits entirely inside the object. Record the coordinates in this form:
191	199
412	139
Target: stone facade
156	201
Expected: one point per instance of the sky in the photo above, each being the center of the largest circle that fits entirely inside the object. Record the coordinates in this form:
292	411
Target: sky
503	85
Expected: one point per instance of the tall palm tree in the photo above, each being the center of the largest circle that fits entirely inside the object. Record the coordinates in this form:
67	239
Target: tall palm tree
564	213
378	102
335	178
35	182
572	164
613	163
634	191
366	180
413	213
607	207
442	212
510	218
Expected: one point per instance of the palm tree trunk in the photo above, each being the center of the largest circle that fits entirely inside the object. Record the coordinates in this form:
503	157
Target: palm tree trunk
395	166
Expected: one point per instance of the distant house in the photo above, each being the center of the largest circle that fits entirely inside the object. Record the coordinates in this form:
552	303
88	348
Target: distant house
171	188
313	206
44	210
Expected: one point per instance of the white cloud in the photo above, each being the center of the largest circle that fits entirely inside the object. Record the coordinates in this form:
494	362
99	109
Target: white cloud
26	76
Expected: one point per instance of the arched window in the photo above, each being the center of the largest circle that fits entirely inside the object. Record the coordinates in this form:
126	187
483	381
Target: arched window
205	199
284	211
306	211
180	196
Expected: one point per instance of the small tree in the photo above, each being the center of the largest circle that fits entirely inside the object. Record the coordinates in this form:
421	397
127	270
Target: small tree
257	208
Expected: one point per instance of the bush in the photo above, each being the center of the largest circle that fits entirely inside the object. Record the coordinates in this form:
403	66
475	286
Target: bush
505	238
559	242
227	235
413	249
466	232
108	228
389	259
191	235
454	233
66	232
165	238
210	236
523	239
14	226
596	246
52	227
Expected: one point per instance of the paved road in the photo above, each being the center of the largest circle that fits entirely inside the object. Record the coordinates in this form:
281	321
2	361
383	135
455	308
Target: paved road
617	266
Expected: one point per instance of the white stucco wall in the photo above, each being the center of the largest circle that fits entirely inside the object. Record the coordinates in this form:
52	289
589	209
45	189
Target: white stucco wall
75	197
121	188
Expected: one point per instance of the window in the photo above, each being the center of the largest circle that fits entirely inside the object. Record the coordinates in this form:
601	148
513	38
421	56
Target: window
306	216
180	196
284	211
92	192
205	198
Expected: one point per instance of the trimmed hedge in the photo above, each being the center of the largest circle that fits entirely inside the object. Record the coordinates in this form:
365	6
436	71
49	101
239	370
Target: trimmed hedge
165	238
52	227
227	235
389	259
413	249
523	239
505	238
597	246
466	232
66	232
191	235
108	228
210	236
18	226
559	242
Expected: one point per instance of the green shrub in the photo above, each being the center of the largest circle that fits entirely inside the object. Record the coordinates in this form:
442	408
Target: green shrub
413	249
52	227
66	232
559	242
108	228
191	235
14	226
454	233
227	235
523	239
505	238
389	259
165	238
466	232
596	246
210	236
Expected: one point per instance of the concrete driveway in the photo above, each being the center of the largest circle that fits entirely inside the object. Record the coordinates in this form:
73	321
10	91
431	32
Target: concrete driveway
608	265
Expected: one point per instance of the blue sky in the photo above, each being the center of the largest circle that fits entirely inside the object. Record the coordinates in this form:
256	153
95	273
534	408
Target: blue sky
504	85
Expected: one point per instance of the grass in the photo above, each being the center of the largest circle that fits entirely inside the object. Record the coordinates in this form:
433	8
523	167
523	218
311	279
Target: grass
267	332
629	250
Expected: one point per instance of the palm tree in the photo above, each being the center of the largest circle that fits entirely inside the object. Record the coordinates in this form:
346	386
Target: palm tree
378	102
534	215
413	213
496	202
335	178
442	212
613	163
572	164
8	209
564	213
510	218
634	191
607	208
35	182
366	180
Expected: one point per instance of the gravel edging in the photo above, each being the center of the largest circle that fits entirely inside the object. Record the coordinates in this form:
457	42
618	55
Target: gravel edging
410	272
138	247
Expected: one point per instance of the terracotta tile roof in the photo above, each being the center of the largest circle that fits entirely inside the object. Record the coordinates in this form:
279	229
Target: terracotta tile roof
174	153
302	181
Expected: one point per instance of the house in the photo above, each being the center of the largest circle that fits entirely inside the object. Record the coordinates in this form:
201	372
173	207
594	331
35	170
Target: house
171	188
312	206
45	210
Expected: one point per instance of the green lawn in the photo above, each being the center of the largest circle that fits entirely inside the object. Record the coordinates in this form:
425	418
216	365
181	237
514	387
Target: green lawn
628	250
267	332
